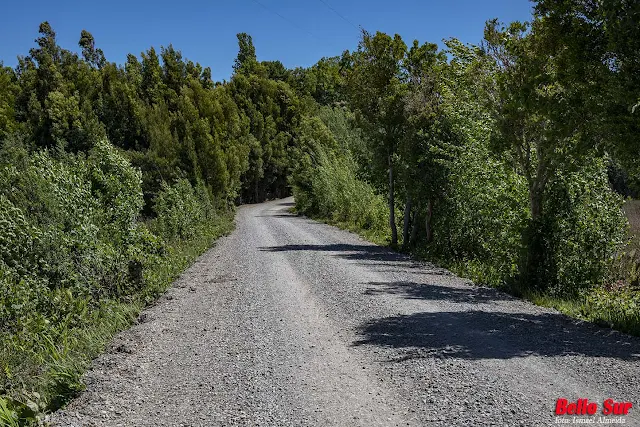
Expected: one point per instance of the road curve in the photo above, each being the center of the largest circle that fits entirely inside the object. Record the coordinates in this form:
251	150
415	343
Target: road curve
289	322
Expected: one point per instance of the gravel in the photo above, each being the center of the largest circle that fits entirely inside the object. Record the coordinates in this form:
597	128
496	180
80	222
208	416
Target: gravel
289	322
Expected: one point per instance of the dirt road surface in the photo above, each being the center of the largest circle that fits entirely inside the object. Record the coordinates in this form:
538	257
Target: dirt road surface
289	322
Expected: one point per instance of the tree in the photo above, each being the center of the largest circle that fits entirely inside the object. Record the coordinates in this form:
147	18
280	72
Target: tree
246	60
275	70
426	128
601	41
537	120
8	91
174	69
152	86
377	92
93	56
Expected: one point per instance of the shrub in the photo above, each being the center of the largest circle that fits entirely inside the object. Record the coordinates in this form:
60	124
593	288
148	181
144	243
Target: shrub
585	228
615	306
479	221
76	264
179	209
325	183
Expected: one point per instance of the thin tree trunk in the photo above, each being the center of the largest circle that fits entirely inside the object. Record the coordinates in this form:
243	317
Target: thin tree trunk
256	194
535	203
407	216
414	225
392	214
534	268
427	221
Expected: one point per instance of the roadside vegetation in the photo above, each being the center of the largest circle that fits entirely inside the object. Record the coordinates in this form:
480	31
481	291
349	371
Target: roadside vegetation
508	162
113	179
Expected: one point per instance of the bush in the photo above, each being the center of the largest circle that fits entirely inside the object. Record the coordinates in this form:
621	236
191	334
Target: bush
585	228
76	264
614	306
478	223
325	183
179	209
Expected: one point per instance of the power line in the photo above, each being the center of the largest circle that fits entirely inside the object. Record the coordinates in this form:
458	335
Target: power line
285	19
339	14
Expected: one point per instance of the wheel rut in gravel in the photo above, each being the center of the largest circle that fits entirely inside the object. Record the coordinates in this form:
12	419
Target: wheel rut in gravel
290	322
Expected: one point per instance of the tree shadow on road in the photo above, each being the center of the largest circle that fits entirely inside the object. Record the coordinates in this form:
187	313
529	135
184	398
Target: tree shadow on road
351	252
434	292
278	215
468	334
495	335
384	260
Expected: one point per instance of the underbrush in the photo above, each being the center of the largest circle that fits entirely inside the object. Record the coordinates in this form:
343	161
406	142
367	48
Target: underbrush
77	265
326	186
615	308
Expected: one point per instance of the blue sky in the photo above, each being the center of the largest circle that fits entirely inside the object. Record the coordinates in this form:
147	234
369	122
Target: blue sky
205	30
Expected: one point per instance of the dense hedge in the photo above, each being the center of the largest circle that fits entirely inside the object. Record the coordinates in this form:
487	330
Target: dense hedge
76	264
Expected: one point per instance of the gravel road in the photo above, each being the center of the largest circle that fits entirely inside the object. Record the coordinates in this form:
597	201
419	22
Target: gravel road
289	322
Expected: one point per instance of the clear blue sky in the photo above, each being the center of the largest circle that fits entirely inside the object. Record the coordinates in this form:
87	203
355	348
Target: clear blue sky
205	30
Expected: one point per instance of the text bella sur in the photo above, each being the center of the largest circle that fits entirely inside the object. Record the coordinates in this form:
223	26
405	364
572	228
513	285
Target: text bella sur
584	407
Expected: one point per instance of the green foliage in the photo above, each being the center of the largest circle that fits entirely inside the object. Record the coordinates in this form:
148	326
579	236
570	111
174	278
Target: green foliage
587	229
324	81
616	307
8	91
76	265
478	222
325	183
497	155
601	58
272	112
246	60
179	209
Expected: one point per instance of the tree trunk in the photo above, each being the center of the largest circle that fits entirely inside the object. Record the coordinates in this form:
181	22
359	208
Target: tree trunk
534	269
427	221
256	193
414	225
392	214
405	228
535	202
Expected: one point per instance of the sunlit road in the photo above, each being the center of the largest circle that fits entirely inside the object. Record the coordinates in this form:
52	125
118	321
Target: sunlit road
291	322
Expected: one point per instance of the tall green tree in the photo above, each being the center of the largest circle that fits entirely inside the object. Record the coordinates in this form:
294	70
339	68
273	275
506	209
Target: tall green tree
246	60
151	86
377	92
602	64
8	91
538	121
95	57
426	130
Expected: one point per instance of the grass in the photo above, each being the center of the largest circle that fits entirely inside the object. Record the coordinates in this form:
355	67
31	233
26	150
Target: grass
619	309
44	371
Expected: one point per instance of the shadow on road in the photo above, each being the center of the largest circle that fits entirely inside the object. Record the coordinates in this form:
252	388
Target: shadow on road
495	335
433	292
352	252
468	334
381	259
